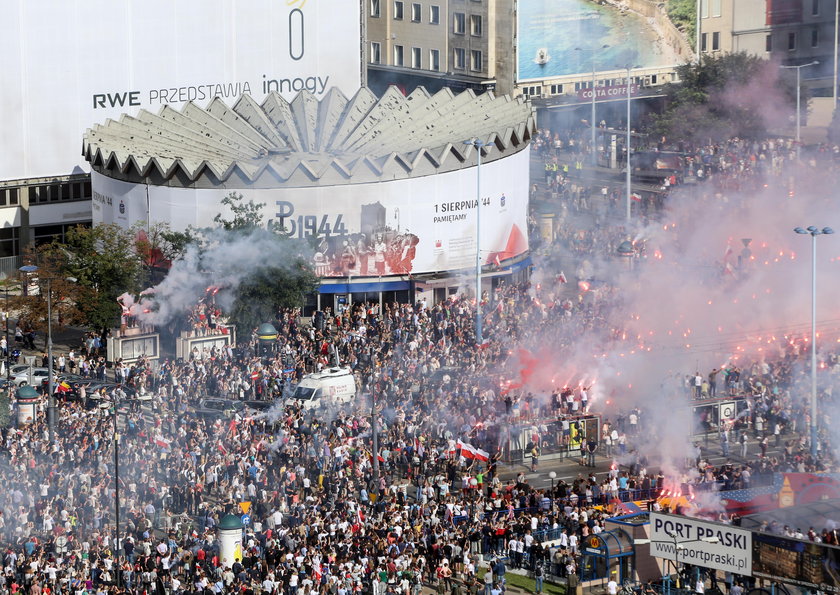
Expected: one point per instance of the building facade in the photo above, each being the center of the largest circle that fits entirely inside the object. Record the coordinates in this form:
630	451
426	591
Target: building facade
460	44
793	32
67	65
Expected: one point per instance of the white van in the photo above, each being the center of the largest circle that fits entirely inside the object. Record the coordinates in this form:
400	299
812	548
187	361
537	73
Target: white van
333	385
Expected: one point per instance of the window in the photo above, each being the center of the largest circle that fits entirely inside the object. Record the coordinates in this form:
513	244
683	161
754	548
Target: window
556	89
9	241
716	8
768	43
716	41
416	58
434	14
460	57
475	60
703	41
815	37
375	52
9	197
815	8
398	10
475	25
459	23
704	8
434	60
375	9
792	41
416	12
398	55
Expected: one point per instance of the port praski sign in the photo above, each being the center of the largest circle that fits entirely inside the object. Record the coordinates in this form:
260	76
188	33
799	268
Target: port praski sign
701	543
68	65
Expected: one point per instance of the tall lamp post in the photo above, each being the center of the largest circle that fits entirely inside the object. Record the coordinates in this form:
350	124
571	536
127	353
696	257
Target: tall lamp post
799	97
7	356
594	141
836	24
814	232
628	198
478	144
118	572
31	268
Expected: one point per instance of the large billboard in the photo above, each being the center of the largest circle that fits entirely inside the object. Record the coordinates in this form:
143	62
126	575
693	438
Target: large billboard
68	65
701	543
563	37
796	562
413	225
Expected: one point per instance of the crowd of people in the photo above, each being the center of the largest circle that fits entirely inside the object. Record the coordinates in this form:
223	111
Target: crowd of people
329	515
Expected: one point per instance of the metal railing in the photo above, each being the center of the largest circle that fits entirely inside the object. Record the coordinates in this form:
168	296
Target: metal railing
10	264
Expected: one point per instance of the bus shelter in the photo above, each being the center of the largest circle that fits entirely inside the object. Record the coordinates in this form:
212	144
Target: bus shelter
606	553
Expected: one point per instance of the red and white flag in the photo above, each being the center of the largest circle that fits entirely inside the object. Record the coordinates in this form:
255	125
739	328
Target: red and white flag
562	277
468	451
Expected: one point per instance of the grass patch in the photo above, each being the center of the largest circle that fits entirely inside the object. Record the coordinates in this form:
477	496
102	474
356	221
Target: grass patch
526	583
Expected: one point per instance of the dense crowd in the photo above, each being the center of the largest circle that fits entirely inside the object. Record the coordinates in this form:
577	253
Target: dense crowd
328	515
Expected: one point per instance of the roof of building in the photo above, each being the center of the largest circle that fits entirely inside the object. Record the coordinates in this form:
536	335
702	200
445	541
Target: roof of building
307	141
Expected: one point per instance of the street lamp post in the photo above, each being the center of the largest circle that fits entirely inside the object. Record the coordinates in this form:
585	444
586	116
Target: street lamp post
5	278
814	232
836	24
31	268
799	97
478	144
374	430
594	141
117	487
628	199
552	475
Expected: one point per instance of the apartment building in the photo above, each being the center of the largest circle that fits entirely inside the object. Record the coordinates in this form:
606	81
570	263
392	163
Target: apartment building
460	44
791	31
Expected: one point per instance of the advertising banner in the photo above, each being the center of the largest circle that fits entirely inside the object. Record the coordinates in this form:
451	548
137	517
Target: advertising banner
702	543
613	92
564	37
396	227
804	563
68	65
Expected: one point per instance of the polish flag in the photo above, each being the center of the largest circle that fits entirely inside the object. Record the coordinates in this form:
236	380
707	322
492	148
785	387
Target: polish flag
636	197
468	451
162	442
562	277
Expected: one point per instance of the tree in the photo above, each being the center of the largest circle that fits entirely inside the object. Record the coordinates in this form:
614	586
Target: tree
105	263
265	291
246	216
725	96
280	281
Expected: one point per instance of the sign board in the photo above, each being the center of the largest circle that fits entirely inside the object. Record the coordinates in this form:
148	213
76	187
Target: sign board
68	65
687	540
246	520
612	92
398	227
728	411
797	562
245	507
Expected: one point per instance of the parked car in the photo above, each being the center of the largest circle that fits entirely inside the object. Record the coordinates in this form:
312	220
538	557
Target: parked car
23	378
218	408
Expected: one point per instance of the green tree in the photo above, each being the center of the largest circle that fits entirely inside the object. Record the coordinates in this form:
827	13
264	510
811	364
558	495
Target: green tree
105	262
246	216
725	96
267	288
